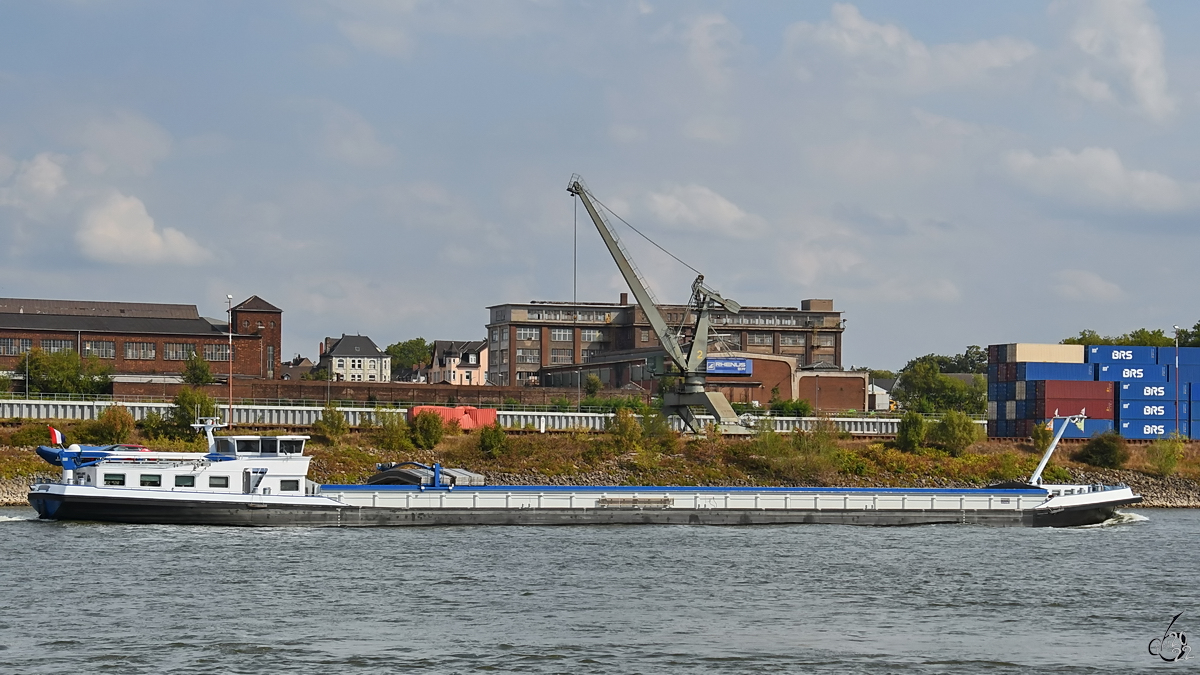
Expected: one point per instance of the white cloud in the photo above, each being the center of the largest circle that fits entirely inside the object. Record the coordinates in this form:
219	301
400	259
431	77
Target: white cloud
378	38
35	184
710	39
1124	37
1096	177
1091	88
1086	286
124	140
351	139
118	229
889	55
697	208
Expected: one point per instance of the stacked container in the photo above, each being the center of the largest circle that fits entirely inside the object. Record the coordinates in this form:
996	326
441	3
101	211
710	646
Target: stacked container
1146	406
1028	384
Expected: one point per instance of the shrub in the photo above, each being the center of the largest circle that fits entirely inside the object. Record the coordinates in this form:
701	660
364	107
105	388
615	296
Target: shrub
333	424
1042	435
592	385
190	406
955	432
114	425
492	440
31	434
197	371
427	430
391	431
1106	450
910	433
1165	453
657	430
154	425
793	408
625	432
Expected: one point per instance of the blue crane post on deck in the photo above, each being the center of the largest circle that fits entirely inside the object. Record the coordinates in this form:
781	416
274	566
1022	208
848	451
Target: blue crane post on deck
690	362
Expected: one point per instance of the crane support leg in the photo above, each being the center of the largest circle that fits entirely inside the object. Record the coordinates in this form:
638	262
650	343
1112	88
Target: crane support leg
714	402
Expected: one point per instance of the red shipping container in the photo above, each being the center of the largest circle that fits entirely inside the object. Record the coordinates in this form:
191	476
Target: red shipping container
464	415
1094	408
1066	389
483	416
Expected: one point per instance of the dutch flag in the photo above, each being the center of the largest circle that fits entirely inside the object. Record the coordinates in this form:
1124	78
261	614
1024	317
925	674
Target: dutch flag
56	436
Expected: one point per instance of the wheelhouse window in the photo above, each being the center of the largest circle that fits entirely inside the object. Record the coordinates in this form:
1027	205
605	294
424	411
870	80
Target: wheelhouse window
270	446
291	447
114	479
185	481
289	486
218	481
151	480
224	446
247	445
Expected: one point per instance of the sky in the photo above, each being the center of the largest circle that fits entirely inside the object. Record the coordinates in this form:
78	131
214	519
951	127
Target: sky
948	173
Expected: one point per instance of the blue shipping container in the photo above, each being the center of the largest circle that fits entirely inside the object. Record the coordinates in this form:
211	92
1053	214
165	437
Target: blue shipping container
1090	428
1147	429
1142	410
1034	370
1186	373
1116	372
1141	391
1188	356
1109	354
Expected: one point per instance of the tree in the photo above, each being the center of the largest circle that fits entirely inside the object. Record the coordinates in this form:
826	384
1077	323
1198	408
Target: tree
64	373
972	360
196	371
592	385
1106	450
492	440
923	387
409	354
955	432
1142	337
190	406
428	429
333	424
910	433
114	425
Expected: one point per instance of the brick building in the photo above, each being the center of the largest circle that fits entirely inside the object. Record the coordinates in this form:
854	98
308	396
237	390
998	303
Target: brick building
552	343
143	341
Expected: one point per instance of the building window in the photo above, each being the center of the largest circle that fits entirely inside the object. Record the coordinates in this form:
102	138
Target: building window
792	339
561	355
151	480
504	335
645	335
14	346
114	479
356	364
590	354
560	334
341	363
246	323
178	351
100	349
825	340
55	346
495	335
528	334
272	324
371	377
761	339
823	358
529	356
472	359
185	481
503	356
139	351
218	481
259	325
591	335
216	352
356	377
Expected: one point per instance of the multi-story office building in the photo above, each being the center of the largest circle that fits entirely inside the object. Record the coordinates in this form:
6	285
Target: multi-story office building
551	343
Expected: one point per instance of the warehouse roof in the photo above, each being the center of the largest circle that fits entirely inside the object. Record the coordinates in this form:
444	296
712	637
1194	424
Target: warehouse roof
107	324
140	310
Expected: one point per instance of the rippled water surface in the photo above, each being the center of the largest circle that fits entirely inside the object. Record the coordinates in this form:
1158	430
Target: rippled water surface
81	598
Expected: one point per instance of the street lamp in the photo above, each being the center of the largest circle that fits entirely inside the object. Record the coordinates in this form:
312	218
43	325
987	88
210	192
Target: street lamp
1177	431
229	310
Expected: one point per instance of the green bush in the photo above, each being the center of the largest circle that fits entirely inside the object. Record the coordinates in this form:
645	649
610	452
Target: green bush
657	431
910	433
196	371
190	406
793	408
955	432
427	430
31	434
391	430
333	424
154	425
1042	435
1165	453
592	385
625	432
1106	450
492	440
114	425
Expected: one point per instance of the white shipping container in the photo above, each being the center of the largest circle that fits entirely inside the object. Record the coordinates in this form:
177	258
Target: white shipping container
991	410
1023	352
1020	395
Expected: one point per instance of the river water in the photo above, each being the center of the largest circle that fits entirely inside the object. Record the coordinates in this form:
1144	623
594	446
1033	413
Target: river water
84	598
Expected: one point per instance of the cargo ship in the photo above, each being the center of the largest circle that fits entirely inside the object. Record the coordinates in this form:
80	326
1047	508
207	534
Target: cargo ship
262	481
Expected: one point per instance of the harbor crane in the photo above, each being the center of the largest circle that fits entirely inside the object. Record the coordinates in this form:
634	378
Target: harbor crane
688	358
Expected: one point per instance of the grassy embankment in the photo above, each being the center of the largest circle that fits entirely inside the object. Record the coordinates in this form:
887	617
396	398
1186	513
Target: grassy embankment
648	458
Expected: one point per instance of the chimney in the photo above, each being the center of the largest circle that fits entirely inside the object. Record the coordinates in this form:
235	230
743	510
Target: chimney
624	298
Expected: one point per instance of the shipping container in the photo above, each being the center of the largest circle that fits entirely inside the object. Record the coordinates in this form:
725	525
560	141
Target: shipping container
1053	371
1090	427
1045	408
1044	353
1186	373
1010	410
1112	372
1188	356
1074	389
991	411
1022	410
993	354
1139	391
1019	390
1111	354
1143	410
1147	429
991	428
993	372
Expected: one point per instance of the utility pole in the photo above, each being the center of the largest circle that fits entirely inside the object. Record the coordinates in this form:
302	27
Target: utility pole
1176	378
229	302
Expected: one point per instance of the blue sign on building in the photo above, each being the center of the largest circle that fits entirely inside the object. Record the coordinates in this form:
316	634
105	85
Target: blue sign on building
729	366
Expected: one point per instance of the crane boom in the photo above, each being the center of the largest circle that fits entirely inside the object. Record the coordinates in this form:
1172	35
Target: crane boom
691	363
